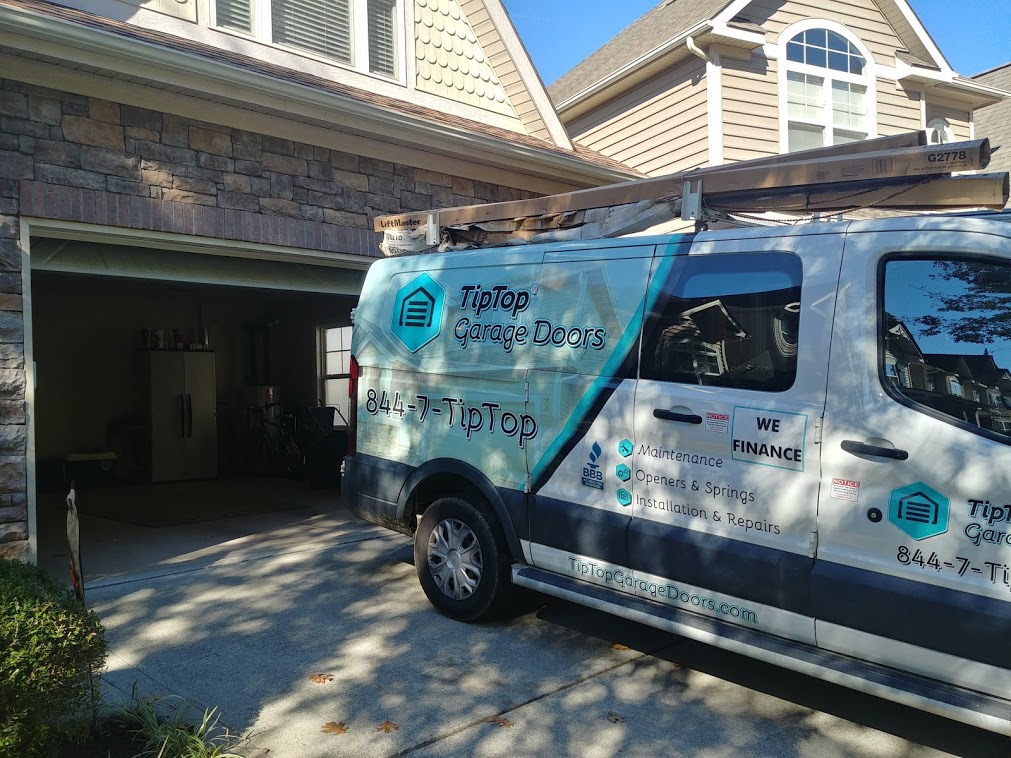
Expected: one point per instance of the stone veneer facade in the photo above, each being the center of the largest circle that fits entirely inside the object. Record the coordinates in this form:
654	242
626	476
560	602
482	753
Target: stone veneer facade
74	158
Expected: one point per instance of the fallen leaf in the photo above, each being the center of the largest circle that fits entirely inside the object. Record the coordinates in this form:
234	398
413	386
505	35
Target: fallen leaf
321	678
619	646
679	665
387	726
334	728
615	718
500	720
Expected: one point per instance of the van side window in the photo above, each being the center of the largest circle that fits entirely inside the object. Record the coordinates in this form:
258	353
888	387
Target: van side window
727	321
946	338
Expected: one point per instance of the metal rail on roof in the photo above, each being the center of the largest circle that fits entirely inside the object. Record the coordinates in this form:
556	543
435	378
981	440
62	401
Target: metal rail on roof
900	172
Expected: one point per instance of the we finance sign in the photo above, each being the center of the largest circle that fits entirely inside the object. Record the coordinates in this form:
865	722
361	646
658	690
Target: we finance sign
771	438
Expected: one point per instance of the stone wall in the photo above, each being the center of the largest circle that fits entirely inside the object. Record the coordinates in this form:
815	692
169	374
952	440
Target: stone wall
74	158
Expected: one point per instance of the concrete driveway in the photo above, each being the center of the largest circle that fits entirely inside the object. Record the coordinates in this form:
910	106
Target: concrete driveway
243	624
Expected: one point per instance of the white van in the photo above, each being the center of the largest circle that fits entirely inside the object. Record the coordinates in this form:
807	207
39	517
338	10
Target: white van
793	443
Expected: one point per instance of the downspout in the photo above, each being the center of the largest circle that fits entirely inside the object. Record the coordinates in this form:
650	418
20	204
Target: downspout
714	101
696	50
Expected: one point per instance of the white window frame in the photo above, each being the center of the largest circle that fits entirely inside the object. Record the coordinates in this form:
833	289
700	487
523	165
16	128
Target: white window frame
868	79
321	373
262	23
941	125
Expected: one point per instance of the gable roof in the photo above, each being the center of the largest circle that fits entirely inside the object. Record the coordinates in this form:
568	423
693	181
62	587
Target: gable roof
669	20
668	24
47	14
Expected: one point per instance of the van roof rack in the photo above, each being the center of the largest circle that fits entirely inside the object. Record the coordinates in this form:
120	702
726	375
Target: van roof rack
900	172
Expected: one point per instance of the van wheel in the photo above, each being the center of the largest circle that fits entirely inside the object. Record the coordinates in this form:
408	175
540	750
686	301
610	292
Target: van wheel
462	559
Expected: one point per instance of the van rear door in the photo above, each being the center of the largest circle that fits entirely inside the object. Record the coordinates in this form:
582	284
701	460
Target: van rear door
725	460
915	518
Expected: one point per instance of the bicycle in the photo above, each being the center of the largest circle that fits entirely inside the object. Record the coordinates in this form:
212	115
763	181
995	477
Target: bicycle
270	447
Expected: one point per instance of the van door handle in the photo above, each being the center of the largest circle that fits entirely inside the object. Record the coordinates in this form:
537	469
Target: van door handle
684	418
862	448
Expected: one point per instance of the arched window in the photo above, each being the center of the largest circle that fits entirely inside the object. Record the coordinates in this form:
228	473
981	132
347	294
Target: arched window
828	90
939	132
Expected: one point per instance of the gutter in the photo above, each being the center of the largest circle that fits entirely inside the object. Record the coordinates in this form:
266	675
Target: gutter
968	85
26	24
953	84
628	68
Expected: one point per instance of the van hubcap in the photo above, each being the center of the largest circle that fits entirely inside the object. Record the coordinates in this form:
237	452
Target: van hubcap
454	559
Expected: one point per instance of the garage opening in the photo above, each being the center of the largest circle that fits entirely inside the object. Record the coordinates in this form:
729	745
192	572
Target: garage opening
176	389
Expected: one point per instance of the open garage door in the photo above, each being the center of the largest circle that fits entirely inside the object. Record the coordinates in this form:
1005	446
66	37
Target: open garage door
178	387
235	269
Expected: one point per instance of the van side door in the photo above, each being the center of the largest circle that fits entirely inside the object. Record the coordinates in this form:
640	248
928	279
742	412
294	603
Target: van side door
915	520
725	459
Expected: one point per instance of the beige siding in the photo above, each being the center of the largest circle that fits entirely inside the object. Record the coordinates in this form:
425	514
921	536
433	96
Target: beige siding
450	60
861	17
957	118
898	21
750	109
898	109
660	128
502	64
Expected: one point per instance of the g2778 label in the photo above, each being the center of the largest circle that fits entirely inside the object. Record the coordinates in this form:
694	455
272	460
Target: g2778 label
484	417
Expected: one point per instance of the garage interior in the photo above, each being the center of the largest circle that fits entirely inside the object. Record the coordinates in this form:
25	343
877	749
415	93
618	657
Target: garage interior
176	387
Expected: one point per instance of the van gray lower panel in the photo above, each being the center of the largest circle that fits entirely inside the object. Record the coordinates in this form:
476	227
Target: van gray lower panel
764	575
958	623
378	489
930	695
592	532
372	486
751	572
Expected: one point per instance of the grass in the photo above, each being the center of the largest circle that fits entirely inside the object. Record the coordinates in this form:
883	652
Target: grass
153	727
176	736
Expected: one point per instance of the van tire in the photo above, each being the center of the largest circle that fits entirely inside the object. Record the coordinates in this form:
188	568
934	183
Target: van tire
462	559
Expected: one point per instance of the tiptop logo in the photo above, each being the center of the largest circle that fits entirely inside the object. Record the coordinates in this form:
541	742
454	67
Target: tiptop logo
918	510
417	312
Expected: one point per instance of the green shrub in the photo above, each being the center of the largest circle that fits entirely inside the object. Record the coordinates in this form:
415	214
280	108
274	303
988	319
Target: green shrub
50	647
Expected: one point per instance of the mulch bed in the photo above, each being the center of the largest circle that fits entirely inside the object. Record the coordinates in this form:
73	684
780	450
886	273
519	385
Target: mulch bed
109	741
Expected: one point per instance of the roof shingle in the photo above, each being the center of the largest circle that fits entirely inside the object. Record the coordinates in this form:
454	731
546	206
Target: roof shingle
663	23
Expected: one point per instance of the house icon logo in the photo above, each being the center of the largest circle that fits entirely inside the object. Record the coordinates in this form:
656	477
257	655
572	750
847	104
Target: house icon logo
417	309
918	510
417	312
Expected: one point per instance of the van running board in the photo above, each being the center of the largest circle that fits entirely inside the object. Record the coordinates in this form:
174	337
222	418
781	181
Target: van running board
966	706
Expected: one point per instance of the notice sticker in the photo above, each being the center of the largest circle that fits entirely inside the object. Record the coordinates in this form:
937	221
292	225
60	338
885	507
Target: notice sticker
845	489
718	422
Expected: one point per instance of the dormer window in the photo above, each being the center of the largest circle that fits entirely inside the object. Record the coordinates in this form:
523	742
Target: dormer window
363	34
939	132
826	90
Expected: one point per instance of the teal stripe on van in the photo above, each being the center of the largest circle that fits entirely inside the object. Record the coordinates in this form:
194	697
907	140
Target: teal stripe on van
585	409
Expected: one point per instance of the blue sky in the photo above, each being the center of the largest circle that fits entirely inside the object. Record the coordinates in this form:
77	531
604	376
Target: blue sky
974	35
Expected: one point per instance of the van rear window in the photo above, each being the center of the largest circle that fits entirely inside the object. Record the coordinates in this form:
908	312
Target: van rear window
726	321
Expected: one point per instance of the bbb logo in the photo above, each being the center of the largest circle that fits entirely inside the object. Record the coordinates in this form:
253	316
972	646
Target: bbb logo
918	510
593	472
417	312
